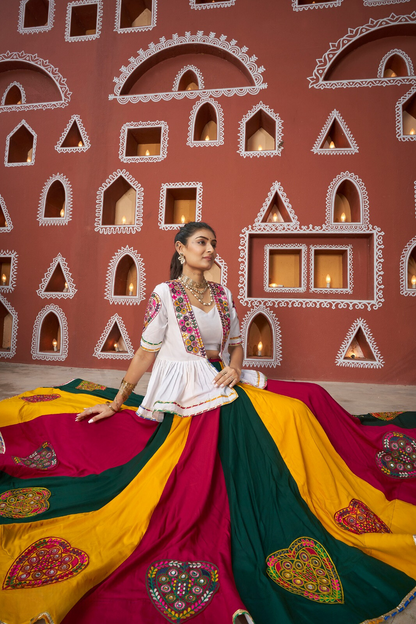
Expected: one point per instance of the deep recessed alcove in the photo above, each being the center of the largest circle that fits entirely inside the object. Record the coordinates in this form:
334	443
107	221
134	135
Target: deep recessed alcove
125	278
347	203
409	116
180	205
205	127
411	270
285	267
73	137
57	282
277	211
259	338
335	137
144	141
395	66
189	81
21	144
135	13
260	132
14	96
114	342
55	201
50	334
40	84
6	327
330	269
3	220
36	13
5	271
119	203
359	348
83	20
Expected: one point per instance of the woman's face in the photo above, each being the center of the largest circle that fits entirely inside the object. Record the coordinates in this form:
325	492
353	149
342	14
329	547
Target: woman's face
199	251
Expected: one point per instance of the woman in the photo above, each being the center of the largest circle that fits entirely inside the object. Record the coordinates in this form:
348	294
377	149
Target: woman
224	501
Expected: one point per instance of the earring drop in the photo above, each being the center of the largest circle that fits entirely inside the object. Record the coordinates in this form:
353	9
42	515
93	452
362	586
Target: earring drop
181	258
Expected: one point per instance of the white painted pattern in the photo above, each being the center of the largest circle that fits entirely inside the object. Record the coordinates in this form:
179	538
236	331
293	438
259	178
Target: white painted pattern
35	29
98	23
12	256
60	355
10	135
68	294
111	275
132	29
43	220
119	229
317	149
278	137
84	137
13	343
114	355
378	361
276	358
220	124
143	124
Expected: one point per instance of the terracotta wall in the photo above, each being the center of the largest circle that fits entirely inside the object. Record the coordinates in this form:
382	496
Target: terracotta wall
308	329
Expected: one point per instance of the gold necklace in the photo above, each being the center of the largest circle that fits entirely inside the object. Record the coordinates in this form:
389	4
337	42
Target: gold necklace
190	283
197	293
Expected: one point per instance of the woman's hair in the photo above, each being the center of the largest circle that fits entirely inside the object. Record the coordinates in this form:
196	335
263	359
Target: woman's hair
183	235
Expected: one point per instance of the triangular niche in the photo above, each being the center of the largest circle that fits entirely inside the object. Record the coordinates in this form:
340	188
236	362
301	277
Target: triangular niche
277	210
57	282
6	224
359	348
114	342
335	137
74	138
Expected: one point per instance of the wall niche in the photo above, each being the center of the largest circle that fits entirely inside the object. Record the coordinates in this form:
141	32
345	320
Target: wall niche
347	203
134	15
20	146
36	13
261	335
14	95
260	132
409	117
119	204
83	20
395	66
50	335
143	141
205	128
179	203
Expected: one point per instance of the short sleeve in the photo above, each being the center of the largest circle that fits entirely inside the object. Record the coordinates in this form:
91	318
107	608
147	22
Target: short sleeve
235	333
155	323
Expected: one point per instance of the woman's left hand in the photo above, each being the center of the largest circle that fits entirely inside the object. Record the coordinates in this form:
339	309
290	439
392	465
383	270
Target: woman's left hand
229	376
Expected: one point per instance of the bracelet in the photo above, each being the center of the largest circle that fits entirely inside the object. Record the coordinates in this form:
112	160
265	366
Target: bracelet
126	388
112	408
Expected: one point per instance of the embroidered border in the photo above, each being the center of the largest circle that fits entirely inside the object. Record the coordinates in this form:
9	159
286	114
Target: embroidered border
186	320
223	307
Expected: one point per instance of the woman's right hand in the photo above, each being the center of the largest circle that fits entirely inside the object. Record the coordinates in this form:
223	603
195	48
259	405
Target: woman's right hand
98	412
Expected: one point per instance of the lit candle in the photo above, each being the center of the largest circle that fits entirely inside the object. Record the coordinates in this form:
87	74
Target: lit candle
207	138
332	145
123	220
183	219
412	131
393	75
116	346
66	288
147	153
80	144
343	217
413	280
260	348
55	344
28	159
131	288
259	149
328	281
274	217
272	285
3	279
62	213
19	102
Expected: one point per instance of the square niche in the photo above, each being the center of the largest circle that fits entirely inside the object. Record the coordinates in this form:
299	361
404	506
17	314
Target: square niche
143	142
331	269
285	268
83	20
179	204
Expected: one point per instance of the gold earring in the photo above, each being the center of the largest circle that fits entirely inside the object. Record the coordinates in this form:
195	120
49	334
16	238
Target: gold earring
181	258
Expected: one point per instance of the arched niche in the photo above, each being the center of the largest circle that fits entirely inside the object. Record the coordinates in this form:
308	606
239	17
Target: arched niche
347	203
21	146
125	281
125	278
395	66
411	270
409	116
260	133
55	201
50	335
189	81
259	338
205	126
14	95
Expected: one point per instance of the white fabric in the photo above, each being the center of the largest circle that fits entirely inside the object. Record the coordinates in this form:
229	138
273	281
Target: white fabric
210	327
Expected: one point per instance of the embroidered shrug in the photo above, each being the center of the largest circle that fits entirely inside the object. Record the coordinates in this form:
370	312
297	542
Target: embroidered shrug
182	377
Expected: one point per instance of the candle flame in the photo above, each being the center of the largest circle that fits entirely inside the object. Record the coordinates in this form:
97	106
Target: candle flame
328	279
260	149
343	217
123	220
147	153
66	286
4	278
131	288
183	219
80	144
413	280
332	145
412	131
274	217
207	138
28	159
260	347
115	346
62	213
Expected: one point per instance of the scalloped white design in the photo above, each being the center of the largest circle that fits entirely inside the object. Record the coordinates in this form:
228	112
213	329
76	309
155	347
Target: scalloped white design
35	29
68	201
162	201
405	57
206	41
131	29
350	273
399	117
84	137
320	5
13	270
60	355
224	269
276	187
59	259
317	149
68	21
98	353
183	71
278	137
363	224
212	5
303	267
13	342
138	215
44	66
9	136
276	359
372	303
143	124
3	209
317	80
404	260
357	363
22	91
220	124
111	275
382	2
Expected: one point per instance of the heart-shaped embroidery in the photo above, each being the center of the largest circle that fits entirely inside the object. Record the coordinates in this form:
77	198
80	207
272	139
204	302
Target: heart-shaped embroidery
42	459
181	589
24	503
358	518
305	568
49	560
399	458
40	398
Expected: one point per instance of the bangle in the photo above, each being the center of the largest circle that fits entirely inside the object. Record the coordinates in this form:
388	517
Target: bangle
126	388
112	408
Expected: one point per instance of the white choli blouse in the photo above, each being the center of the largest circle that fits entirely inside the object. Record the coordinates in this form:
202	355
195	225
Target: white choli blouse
182	377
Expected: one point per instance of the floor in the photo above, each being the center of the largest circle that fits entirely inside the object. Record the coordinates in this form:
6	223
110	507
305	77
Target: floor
356	398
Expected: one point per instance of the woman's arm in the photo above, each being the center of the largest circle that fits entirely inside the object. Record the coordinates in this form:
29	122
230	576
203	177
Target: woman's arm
230	375
138	366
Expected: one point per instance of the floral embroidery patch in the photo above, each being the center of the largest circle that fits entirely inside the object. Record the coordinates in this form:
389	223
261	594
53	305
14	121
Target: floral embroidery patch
305	568
40	398
49	560
186	320
399	458
153	307
181	589
358	518
385	415
221	301
24	502
2	445
90	386
42	459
